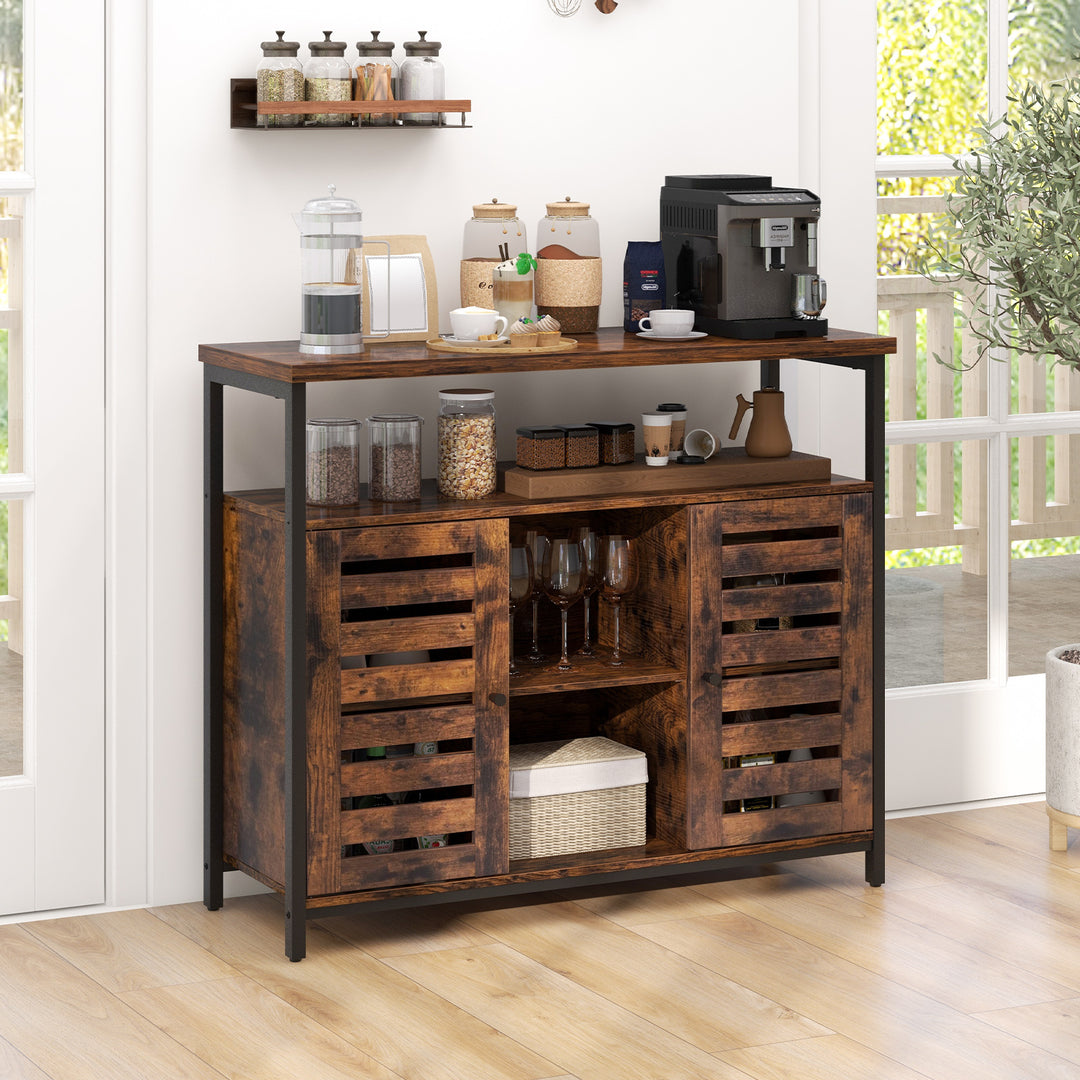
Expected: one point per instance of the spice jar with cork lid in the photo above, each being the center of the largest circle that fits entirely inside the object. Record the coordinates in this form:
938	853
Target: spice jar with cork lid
279	77
328	77
493	229
376	79
569	271
467	447
423	78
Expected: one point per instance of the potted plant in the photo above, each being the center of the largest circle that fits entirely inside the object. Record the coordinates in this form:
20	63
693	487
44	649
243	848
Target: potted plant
1015	236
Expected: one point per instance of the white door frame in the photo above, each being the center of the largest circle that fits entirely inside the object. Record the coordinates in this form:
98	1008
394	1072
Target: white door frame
53	817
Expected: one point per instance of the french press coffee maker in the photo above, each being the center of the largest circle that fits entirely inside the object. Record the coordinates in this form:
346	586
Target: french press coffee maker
331	277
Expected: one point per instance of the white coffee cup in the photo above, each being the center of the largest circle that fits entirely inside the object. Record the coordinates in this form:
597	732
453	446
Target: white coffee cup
667	322
656	429
468	323
699	443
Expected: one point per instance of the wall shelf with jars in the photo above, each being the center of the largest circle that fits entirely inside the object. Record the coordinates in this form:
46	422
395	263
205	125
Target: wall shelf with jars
244	111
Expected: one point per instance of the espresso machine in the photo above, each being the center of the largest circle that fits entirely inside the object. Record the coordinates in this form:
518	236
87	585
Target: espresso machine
742	254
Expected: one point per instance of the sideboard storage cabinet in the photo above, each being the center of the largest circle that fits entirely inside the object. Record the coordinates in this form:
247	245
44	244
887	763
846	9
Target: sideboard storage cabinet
750	679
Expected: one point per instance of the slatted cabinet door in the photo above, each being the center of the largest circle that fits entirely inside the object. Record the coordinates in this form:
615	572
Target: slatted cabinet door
408	644
781	717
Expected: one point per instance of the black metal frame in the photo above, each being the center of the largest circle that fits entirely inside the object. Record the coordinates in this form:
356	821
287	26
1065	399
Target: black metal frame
294	395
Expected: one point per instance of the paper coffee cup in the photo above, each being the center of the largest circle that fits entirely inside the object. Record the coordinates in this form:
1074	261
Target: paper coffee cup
656	430
700	443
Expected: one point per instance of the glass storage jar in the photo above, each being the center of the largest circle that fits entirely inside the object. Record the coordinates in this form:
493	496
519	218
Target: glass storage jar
333	461
423	78
467	447
394	457
376	79
279	77
328	77
569	271
492	226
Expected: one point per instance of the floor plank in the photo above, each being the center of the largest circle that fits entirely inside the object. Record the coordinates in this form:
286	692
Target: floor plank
586	1034
16	1066
643	977
128	950
1055	1025
358	997
917	957
276	1041
828	1057
882	1015
631	902
73	1029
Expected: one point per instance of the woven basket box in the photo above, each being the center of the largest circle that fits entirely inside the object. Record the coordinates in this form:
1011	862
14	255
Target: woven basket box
576	795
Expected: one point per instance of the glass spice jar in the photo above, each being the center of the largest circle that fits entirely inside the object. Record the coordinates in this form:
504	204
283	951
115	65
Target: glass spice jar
376	79
467	447
279	77
394	457
333	461
423	78
328	77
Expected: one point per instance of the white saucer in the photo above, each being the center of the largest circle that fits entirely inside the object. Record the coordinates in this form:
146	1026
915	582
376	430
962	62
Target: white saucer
473	343
692	336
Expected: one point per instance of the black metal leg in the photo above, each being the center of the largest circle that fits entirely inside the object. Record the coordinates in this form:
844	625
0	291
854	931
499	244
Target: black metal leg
874	383
213	636
295	676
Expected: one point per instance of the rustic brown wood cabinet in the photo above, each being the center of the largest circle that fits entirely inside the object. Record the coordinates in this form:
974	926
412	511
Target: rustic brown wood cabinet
722	666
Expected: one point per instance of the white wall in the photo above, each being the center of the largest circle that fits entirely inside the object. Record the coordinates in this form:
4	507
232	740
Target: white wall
597	107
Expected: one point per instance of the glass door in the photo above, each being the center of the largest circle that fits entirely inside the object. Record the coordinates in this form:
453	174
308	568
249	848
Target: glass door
982	566
52	457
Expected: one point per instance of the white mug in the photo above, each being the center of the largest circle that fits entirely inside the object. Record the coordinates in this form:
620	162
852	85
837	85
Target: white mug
668	322
468	323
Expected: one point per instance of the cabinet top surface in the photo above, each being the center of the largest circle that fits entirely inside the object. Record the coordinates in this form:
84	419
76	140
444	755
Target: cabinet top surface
608	347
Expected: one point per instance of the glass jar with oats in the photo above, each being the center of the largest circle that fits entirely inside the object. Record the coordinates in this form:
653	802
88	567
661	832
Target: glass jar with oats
568	266
467	447
328	77
279	77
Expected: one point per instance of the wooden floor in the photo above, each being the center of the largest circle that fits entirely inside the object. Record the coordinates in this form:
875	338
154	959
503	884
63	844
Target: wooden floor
965	965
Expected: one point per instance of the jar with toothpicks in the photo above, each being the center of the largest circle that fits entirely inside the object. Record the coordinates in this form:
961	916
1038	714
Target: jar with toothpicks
376	77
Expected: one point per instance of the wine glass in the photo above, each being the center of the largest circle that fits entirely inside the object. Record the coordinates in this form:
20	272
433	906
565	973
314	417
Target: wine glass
537	542
521	588
619	572
590	543
564	574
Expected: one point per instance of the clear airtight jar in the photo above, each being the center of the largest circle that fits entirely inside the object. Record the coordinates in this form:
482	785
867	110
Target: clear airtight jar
279	77
394	457
423	78
494	225
467	447
569	271
333	462
328	77
376	79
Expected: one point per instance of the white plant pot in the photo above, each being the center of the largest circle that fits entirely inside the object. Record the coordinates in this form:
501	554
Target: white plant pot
1062	746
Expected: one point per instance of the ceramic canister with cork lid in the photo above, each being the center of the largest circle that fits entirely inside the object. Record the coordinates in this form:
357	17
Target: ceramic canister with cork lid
494	227
569	272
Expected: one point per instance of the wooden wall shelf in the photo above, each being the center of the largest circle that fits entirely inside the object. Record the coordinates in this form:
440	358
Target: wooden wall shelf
244	109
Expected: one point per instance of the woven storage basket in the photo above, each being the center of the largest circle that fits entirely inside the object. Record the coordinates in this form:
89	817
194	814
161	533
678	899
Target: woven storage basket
581	795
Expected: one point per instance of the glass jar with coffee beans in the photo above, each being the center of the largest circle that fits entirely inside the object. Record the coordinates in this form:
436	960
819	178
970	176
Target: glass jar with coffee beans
333	461
394	457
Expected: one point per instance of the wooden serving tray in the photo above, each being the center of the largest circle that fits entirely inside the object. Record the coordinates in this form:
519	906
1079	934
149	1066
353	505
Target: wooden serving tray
566	344
729	467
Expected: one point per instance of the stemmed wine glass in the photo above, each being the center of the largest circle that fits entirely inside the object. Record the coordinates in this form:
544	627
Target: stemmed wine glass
521	588
619	571
538	543
590	543
564	574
